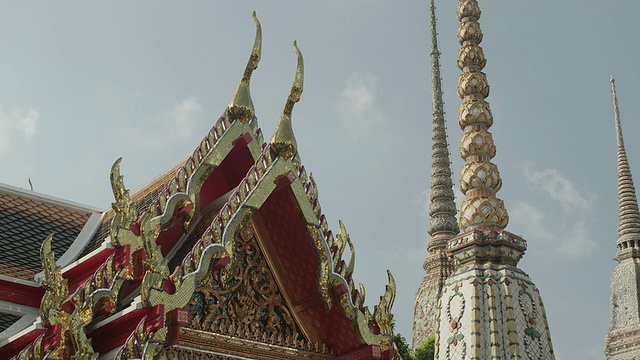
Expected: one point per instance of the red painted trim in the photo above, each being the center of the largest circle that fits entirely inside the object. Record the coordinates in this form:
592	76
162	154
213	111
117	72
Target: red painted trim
230	171
20	293
237	163
388	354
168	238
175	319
233	169
287	242
122	257
285	180
368	352
77	275
155	319
52	337
51	340
116	332
221	263
138	257
339	289
241	142
121	260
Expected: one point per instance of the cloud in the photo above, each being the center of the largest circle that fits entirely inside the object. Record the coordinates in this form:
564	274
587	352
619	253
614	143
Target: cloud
559	188
422	199
184	114
18	128
565	226
16	125
176	123
358	104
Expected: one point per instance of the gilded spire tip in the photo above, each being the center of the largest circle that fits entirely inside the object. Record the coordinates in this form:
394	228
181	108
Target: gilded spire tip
283	141
298	82
241	106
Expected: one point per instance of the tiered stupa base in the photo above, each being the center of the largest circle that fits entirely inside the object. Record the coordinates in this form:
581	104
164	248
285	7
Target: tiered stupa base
623	340
491	309
438	267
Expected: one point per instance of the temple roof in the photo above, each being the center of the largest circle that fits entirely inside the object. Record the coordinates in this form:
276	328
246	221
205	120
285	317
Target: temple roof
7	320
155	252
27	217
142	198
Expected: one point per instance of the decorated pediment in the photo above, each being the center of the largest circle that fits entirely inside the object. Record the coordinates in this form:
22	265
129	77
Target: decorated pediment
244	302
244	299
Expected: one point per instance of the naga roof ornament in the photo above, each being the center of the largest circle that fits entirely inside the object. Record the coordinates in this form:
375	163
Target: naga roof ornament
241	106
54	284
629	216
283	141
479	178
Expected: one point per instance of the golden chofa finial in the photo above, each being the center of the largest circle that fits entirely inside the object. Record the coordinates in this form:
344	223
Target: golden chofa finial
55	286
283	142
241	107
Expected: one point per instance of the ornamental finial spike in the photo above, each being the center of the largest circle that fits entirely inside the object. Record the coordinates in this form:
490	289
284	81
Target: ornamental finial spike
616	115
628	213
241	106
283	141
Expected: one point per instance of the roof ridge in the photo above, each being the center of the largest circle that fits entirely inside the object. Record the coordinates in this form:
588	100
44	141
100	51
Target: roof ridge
37	196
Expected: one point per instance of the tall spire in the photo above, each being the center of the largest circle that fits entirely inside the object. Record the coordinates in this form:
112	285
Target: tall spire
623	339
489	308
628	216
442	208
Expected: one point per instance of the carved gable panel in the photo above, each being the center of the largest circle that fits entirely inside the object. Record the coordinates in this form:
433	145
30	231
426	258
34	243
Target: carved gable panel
244	301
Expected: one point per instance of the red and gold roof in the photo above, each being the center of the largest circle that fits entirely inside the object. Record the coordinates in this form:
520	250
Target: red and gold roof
229	253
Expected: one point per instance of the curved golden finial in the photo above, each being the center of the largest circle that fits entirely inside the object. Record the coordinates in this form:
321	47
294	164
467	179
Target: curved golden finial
241	106
125	213
382	312
56	290
283	142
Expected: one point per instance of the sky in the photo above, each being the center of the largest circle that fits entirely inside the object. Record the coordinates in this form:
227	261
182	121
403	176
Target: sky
84	84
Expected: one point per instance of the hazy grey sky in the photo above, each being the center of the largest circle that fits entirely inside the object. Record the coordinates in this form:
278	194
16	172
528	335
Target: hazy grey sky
82	84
